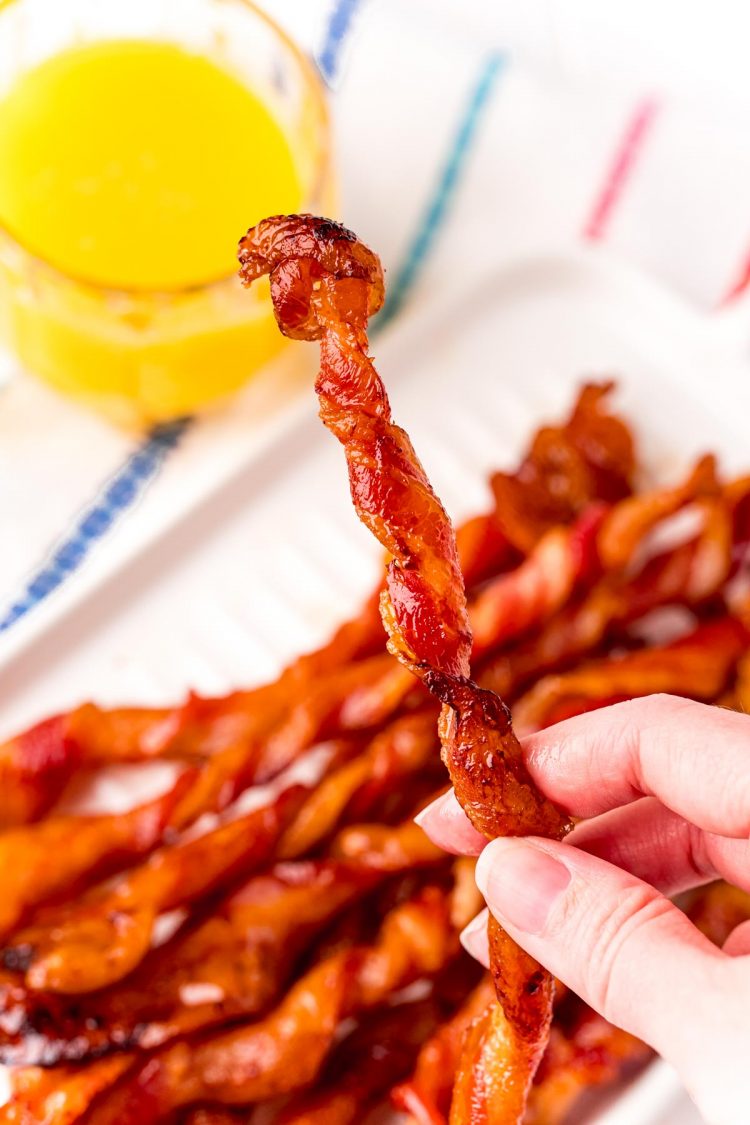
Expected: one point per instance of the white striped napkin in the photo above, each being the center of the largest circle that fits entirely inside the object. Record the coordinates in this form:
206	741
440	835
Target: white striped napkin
454	160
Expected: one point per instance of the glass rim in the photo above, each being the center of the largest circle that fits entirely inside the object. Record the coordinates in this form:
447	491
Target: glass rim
322	155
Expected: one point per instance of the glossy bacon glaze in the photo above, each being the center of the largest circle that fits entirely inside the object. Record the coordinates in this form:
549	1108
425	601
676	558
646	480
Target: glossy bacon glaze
325	285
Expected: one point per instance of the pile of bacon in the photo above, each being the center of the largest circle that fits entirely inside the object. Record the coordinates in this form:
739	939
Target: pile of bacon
249	947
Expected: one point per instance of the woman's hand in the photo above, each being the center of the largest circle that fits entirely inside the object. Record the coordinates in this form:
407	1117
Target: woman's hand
665	784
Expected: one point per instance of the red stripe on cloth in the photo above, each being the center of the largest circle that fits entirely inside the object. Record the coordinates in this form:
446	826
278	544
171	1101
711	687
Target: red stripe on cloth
738	287
621	167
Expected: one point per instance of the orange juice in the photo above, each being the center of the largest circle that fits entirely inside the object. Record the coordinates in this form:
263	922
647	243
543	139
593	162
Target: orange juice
130	168
138	165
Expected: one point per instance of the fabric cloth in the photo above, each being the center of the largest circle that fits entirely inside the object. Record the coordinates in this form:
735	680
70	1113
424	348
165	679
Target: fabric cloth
455	160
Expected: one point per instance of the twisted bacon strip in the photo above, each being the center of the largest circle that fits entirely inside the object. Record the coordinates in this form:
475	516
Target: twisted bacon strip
368	1061
234	962
697	666
687	575
325	285
35	766
402	750
285	1050
101	937
426	1095
65	854
584	1052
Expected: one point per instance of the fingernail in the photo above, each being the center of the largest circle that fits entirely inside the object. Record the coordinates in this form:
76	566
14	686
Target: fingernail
441	806
520	882
446	824
474	939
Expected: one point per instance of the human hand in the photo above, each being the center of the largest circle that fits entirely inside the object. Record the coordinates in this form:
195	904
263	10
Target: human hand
666	785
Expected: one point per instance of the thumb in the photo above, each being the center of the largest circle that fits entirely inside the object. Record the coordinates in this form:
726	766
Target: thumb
613	939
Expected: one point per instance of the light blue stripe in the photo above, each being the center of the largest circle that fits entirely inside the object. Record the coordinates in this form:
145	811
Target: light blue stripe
118	495
438	205
337	30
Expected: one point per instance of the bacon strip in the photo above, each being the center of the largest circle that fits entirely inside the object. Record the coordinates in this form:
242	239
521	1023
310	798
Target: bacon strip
325	285
403	749
234	962
697	666
286	1050
65	854
590	457
35	766
426	1096
687	575
100	938
366	1064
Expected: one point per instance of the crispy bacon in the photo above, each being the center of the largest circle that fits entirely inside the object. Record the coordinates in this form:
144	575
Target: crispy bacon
515	602
590	457
34	769
426	1096
233	962
104	935
65	854
61	1096
367	1063
627	525
698	666
405	747
325	285
285	1050
35	766
687	574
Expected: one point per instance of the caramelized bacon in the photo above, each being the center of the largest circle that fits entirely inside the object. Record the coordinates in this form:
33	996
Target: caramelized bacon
590	457
426	1096
627	525
405	747
325	285
34	769
61	1096
366	1064
233	962
525	597
698	666
65	854
101	937
285	1050
35	766
686	574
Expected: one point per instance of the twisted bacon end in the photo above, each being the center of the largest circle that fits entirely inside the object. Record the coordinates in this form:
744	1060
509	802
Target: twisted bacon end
486	765
326	284
297	251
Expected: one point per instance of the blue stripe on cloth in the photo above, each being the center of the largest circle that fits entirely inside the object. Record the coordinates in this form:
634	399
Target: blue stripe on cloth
118	494
438	205
143	465
337	29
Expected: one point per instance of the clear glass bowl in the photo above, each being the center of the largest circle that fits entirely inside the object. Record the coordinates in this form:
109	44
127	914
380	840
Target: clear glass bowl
144	356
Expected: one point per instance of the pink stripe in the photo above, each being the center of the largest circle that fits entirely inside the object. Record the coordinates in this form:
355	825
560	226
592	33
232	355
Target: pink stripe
621	168
738	287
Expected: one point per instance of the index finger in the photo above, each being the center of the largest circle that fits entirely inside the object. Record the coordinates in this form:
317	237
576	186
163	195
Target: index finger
695	758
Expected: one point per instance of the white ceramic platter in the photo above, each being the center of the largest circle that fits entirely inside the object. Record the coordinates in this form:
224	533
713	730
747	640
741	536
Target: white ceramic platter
224	583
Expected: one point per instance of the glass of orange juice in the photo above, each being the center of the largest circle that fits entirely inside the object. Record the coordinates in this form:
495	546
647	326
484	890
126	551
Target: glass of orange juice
138	140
